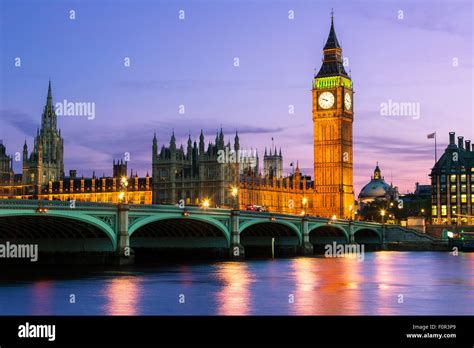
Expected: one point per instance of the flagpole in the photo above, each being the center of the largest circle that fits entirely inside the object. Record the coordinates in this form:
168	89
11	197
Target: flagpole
436	155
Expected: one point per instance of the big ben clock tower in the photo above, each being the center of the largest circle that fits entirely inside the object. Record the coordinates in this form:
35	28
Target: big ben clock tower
332	119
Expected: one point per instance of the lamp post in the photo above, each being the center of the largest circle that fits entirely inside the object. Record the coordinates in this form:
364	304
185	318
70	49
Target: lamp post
235	193
304	201
123	190
383	216
206	203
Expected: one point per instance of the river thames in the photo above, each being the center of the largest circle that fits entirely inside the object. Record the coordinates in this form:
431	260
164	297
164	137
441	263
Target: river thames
384	283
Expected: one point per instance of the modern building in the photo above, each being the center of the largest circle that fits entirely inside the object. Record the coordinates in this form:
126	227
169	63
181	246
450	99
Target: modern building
452	183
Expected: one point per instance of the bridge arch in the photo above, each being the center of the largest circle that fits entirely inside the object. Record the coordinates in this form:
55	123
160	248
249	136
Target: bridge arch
173	230
58	230
327	234
367	235
259	233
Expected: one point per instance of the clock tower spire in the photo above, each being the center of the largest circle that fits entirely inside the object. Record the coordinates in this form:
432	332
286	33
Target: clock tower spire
332	120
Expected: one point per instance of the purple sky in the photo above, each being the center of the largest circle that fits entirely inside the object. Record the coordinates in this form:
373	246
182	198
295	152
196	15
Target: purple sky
190	62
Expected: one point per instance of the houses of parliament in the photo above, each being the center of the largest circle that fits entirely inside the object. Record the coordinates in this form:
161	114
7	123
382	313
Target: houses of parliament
198	174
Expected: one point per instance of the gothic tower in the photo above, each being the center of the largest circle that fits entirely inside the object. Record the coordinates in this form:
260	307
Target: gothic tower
332	119
273	164
46	162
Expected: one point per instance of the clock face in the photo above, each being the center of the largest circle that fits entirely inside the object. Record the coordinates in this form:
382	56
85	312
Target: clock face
347	101
326	100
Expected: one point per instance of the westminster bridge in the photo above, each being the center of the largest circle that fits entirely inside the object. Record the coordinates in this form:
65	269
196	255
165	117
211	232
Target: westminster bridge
64	227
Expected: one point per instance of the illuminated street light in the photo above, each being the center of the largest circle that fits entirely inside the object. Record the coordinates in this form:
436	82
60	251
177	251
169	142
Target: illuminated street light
382	212
304	201
123	189
234	191
124	181
206	203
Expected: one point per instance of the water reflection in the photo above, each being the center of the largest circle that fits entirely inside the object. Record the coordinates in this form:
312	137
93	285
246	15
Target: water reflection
386	297
122	296
326	286
42	296
235	296
306	283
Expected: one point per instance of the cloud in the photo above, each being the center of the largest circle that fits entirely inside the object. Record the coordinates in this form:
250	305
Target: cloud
19	120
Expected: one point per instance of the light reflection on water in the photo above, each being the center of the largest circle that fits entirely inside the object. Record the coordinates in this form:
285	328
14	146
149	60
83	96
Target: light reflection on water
431	283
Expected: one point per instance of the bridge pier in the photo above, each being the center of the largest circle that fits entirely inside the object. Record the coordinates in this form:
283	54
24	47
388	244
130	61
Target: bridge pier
124	254
237	250
306	247
351	233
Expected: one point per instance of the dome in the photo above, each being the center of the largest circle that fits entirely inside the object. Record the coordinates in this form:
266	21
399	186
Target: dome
376	189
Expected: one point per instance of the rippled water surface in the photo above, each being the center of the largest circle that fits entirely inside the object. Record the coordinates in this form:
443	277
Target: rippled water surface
385	283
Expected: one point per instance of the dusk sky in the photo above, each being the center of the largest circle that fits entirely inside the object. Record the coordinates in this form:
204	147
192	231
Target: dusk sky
426	57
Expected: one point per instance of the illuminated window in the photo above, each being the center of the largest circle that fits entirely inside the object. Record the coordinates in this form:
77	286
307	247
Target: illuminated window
463	178
444	210
453	188
463	198
453	210
453	178
434	210
453	199
464	188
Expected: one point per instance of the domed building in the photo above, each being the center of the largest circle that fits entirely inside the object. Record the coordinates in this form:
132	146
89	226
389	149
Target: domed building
377	190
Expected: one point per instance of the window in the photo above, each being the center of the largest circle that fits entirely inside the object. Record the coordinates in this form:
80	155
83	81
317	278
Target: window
453	199
453	178
463	198
443	210
463	178
434	210
463	188
453	188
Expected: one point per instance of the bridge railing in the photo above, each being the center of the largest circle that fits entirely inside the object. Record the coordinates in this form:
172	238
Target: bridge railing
34	203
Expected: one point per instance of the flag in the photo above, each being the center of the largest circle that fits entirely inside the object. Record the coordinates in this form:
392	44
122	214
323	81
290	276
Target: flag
291	164
431	136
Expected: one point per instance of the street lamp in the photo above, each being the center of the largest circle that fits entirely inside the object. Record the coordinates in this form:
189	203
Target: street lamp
383	215
123	189
234	191
206	203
